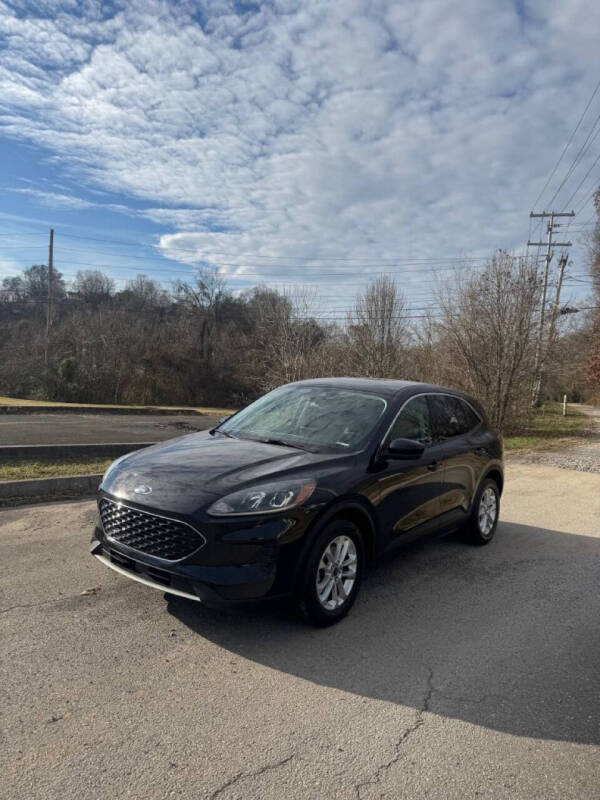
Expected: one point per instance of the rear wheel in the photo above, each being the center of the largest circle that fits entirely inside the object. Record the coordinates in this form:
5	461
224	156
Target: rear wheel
332	574
484	518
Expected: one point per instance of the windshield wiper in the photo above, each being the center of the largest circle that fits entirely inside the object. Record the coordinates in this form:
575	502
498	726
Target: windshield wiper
269	440
225	433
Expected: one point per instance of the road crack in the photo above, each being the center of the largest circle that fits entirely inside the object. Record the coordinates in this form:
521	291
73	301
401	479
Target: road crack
86	593
239	776
401	741
30	605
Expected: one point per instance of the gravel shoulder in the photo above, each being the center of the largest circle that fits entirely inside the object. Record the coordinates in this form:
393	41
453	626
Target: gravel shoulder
582	455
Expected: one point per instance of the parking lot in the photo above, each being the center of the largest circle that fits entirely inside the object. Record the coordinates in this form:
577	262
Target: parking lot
460	673
28	429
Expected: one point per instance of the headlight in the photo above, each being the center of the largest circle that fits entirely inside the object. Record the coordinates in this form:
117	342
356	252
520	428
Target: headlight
264	499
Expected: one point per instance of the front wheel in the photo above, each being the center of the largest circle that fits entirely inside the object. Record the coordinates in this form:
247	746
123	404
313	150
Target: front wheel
332	574
484	518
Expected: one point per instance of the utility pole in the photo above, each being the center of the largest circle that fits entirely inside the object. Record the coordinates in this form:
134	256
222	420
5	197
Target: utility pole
549	244
562	264
49	308
554	314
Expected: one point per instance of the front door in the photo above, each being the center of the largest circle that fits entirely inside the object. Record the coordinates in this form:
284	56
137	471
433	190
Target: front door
458	429
406	492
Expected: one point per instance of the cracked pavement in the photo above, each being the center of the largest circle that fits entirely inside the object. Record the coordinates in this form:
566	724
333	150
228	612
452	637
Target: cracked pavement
460	673
419	720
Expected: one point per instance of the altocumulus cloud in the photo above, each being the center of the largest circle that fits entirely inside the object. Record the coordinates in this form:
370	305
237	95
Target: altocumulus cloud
303	129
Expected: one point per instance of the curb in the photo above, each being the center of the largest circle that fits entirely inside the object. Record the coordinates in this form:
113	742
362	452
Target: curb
14	452
96	410
44	488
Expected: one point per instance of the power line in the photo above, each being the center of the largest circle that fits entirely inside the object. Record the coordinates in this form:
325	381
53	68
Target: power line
586	201
583	180
566	147
245	263
286	259
339	274
580	154
344	259
331	313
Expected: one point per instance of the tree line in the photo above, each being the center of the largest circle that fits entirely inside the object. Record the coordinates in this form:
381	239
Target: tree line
198	343
593	360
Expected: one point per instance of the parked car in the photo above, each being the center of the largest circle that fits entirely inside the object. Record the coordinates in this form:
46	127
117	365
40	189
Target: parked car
297	492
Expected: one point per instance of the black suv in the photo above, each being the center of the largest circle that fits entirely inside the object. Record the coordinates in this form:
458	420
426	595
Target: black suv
294	494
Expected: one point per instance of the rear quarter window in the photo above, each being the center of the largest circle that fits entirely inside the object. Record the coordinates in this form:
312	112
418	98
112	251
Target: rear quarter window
453	416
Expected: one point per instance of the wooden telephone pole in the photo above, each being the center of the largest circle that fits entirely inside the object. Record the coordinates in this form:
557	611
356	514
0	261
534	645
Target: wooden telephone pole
549	244
49	307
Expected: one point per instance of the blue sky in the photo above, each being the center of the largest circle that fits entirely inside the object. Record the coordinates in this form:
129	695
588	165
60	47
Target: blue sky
288	142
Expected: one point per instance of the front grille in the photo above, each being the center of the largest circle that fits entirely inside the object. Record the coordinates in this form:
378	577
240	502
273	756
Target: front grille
148	533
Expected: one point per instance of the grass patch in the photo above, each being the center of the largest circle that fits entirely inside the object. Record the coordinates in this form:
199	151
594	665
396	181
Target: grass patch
27	468
548	428
15	401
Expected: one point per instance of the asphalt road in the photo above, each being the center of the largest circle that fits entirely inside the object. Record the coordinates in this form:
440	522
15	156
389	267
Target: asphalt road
97	428
461	672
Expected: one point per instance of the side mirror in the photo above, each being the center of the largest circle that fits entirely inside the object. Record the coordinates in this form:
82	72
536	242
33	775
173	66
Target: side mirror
404	448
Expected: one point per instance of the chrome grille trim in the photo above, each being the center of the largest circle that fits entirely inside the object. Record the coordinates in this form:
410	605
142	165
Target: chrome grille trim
108	505
145	580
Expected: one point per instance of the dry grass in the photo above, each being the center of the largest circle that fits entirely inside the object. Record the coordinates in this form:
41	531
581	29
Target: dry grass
15	401
548	428
26	468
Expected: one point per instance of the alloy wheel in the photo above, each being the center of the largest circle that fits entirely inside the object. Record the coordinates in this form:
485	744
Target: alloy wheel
336	574
488	510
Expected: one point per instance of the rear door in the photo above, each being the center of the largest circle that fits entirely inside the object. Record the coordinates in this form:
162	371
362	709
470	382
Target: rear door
460	431
406	492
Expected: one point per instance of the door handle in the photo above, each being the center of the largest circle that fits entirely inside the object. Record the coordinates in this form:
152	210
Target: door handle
433	465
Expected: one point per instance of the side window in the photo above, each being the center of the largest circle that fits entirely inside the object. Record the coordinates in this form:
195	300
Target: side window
471	418
452	416
413	422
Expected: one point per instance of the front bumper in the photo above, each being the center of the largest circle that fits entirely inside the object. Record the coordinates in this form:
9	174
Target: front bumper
213	586
239	560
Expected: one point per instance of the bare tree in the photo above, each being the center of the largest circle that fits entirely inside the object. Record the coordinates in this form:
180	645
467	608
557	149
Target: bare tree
428	356
93	286
201	301
32	285
206	292
488	323
285	333
202	344
593	349
593	243
593	361
378	330
143	294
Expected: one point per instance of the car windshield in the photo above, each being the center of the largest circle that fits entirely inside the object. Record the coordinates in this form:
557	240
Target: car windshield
311	417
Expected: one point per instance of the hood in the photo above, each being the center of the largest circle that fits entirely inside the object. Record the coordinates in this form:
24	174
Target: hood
189	472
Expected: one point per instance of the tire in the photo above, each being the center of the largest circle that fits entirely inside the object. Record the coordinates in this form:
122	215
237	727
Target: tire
328	606
481	527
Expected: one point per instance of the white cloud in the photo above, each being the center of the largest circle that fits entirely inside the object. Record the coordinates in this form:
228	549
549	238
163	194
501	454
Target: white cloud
350	129
52	199
8	268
